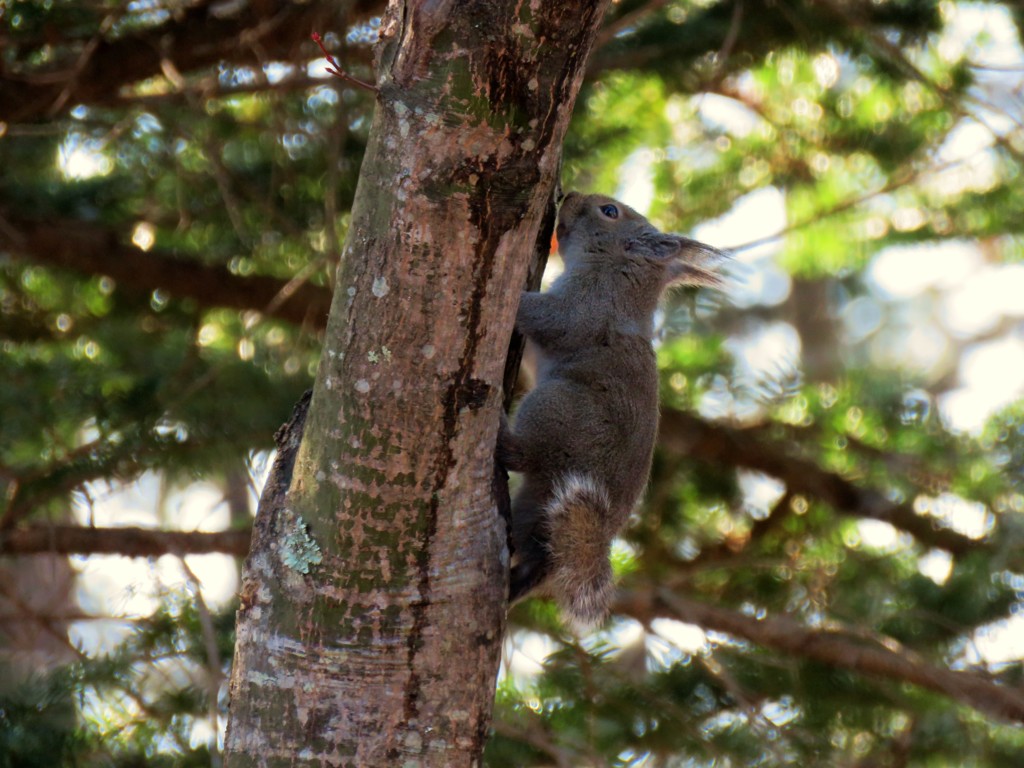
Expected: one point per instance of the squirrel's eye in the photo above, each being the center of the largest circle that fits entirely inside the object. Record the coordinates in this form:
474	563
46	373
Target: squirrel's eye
609	210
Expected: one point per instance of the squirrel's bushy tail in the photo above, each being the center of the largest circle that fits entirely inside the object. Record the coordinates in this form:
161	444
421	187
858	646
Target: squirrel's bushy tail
578	541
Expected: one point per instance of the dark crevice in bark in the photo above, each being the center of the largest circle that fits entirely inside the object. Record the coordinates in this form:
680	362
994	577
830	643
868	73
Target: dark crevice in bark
275	490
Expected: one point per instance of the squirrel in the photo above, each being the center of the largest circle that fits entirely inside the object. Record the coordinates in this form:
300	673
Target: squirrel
584	436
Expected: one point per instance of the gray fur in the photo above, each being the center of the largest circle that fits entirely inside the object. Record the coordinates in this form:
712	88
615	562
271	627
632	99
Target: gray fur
594	411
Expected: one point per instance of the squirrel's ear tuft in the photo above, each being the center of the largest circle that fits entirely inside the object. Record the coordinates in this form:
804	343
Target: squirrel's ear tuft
695	264
655	245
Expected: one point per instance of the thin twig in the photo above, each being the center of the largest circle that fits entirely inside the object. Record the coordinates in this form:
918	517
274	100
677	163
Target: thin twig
336	70
83	60
627	20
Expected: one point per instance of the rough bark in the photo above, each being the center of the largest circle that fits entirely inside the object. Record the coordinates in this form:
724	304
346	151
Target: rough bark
374	595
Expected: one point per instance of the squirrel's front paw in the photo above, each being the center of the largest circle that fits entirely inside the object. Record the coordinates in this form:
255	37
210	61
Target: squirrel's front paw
508	452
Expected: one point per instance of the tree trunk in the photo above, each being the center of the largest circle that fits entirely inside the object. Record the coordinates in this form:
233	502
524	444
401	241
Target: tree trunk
373	599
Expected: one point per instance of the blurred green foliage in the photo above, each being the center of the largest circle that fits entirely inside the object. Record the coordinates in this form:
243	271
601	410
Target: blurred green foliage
816	139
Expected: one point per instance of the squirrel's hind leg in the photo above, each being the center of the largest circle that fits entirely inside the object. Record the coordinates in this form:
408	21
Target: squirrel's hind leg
529	539
526	576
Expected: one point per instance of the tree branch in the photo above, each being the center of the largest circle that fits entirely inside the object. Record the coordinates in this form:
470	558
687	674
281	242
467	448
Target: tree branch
782	634
128	541
211	88
687	435
193	39
94	250
833	648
